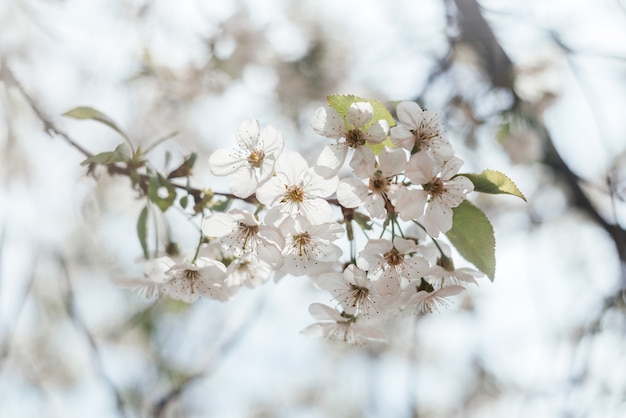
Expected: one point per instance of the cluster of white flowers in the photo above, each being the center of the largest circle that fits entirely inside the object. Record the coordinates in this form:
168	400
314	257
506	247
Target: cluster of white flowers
405	176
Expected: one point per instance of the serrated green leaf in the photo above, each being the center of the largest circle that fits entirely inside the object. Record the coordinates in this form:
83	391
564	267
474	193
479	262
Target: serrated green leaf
494	182
142	231
472	235
86	112
341	103
158	183
119	155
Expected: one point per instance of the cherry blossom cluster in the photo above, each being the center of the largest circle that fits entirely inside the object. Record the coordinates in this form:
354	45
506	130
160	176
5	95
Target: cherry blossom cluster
398	185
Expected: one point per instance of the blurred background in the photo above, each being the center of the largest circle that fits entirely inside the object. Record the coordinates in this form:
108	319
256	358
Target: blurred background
534	88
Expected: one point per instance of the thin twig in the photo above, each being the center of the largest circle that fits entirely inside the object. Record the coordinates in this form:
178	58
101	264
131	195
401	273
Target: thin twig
82	326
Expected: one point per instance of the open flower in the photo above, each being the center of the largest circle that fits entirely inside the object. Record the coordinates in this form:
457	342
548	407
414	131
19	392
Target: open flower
327	122
187	281
353	290
424	298
341	326
252	161
297	189
420	132
243	236
441	189
353	193
307	245
390	261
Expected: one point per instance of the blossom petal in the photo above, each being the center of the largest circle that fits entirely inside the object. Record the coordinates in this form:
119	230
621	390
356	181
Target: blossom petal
333	156
323	312
328	123
243	183
410	114
218	225
248	134
352	192
225	161
359	114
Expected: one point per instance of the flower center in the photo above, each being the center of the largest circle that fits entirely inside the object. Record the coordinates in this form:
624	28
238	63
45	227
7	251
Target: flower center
394	257
255	159
379	184
359	294
301	242
247	231
192	276
355	138
294	194
436	187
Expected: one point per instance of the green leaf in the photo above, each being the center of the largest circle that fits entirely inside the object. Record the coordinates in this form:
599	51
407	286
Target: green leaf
158	186
341	103
119	155
85	112
494	182
142	231
184	201
472	235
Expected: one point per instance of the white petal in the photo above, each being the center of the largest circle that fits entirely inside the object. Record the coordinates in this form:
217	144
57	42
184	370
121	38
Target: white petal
318	185
273	141
378	132
317	211
328	123
352	192
323	312
410	203
392	161
243	183
248	135
451	167
333	156
218	225
402	137
375	205
359	114
410	114
421	168
291	165
363	161
225	161
270	191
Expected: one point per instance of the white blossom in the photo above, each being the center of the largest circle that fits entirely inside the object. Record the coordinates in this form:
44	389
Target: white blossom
442	190
421	301
353	290
373	196
297	189
244	236
420	132
327	122
187	281
307	245
390	261
252	160
340	326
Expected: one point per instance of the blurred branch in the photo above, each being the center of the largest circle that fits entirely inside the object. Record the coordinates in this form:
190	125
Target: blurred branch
82	326
50	128
160	407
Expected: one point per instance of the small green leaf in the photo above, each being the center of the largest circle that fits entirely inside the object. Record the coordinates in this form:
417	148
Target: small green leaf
119	155
184	201
472	235
161	192
85	112
142	231
494	182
